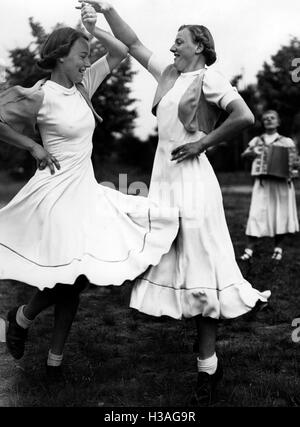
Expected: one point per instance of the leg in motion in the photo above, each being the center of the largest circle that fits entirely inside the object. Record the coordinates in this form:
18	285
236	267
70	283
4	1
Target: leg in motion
20	319
209	368
65	310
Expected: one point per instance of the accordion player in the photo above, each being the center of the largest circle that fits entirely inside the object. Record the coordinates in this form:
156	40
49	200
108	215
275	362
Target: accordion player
277	160
273	209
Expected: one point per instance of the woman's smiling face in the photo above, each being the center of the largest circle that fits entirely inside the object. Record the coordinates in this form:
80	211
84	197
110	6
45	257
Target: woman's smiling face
185	50
76	62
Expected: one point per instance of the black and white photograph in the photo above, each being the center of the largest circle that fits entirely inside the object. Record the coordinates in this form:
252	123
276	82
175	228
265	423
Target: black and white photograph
149	206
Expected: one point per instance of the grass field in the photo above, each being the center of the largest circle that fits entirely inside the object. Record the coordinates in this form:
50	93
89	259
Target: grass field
116	357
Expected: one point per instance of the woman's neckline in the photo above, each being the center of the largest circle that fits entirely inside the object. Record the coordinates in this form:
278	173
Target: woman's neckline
193	73
271	135
62	89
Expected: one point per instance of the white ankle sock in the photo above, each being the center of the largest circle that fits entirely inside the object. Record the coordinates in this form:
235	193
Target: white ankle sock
21	319
208	365
54	359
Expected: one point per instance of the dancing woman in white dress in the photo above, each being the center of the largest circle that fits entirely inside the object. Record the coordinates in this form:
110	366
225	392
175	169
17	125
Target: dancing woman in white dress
63	229
199	276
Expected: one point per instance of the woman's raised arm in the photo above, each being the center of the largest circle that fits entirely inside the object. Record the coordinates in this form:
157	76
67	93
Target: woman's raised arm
122	31
117	51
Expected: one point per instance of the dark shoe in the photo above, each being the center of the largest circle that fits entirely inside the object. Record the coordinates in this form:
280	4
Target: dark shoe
206	386
15	335
259	306
54	373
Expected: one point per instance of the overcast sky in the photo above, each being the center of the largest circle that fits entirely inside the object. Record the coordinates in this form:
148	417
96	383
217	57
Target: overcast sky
246	32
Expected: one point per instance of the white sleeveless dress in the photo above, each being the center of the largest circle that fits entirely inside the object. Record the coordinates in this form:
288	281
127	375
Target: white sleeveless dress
199	275
64	225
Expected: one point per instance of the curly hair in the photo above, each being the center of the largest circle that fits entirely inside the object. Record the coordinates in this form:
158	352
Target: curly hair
201	34
57	45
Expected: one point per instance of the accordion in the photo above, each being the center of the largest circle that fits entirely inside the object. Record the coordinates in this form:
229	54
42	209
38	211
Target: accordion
276	161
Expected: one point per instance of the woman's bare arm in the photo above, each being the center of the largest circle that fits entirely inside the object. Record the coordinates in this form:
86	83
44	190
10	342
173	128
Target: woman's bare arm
122	31
43	158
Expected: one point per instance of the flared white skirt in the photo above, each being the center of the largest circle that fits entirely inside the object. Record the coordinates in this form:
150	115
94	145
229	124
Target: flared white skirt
66	225
199	275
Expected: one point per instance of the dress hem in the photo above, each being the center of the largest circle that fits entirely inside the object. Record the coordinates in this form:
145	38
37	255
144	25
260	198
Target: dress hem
98	272
230	302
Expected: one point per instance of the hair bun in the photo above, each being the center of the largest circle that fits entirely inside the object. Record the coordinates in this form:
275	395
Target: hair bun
210	56
46	63
201	34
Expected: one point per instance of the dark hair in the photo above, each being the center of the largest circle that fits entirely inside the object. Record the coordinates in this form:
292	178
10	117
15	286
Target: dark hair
202	35
57	45
270	111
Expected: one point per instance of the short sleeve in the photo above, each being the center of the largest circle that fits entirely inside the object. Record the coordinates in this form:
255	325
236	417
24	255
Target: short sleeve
156	66
253	142
218	90
95	75
290	143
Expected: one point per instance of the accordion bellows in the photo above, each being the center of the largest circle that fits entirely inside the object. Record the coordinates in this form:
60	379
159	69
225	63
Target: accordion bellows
275	160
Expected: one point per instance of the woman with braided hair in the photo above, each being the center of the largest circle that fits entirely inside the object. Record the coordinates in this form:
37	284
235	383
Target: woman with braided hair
199	277
63	229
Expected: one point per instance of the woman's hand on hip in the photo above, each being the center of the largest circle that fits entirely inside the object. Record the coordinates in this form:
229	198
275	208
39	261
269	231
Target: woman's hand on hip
44	159
187	151
100	6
